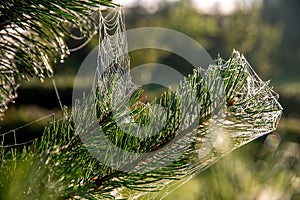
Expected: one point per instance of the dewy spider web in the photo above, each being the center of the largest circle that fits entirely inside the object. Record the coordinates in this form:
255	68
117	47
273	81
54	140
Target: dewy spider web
111	28
113	61
255	110
254	113
252	108
113	54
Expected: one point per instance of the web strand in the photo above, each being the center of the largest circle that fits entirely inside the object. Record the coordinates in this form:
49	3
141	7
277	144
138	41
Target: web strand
57	94
113	61
13	133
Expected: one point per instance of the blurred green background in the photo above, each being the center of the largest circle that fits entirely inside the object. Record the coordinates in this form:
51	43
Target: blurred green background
267	32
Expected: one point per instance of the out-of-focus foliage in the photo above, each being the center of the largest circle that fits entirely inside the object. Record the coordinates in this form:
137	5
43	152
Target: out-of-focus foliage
243	30
263	170
286	14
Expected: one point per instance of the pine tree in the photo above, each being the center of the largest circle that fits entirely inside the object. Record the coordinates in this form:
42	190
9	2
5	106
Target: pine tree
60	165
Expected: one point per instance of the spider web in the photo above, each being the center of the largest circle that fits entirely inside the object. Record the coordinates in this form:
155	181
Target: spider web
255	110
240	126
113	52
113	62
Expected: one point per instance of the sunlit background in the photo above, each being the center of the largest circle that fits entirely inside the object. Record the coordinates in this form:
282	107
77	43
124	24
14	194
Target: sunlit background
223	6
266	31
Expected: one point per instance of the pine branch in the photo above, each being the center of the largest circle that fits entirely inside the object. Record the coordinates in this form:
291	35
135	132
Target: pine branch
66	165
32	38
